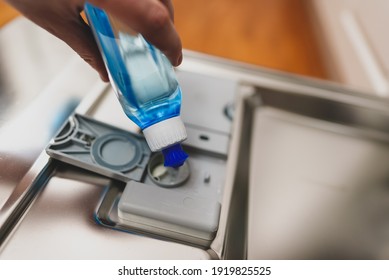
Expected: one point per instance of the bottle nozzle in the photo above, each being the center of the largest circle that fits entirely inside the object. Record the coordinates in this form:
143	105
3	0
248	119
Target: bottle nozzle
174	156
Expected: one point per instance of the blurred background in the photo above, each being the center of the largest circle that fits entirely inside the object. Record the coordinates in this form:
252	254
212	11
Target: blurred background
338	40
277	34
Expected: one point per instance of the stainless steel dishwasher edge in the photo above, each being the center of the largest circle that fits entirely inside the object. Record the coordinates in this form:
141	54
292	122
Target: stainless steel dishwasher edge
268	209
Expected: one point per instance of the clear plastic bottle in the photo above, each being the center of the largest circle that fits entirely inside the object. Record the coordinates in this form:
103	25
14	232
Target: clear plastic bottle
144	82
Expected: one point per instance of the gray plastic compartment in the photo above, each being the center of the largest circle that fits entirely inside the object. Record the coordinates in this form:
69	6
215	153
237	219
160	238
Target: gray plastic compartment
190	214
101	148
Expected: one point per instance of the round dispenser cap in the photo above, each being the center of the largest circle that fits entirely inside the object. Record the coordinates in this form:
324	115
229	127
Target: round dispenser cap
116	151
174	156
165	134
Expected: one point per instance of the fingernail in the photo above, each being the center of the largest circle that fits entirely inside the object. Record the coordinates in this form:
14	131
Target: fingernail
104	78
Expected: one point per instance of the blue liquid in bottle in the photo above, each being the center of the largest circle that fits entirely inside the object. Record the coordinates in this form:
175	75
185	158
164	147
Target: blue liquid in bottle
144	82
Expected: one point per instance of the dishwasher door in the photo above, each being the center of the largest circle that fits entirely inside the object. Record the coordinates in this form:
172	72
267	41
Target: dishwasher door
297	166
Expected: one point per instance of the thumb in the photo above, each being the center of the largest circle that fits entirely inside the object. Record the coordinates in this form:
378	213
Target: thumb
78	35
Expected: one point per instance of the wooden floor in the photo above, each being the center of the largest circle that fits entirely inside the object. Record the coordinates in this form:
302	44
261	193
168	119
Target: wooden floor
271	33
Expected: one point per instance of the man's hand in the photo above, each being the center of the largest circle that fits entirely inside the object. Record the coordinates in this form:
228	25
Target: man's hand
152	18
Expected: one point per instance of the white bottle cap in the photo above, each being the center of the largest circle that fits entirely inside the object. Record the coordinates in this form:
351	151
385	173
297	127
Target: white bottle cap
165	133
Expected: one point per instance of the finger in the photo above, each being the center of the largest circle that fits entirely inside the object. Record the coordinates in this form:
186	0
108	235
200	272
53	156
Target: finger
169	6
66	23
79	37
152	19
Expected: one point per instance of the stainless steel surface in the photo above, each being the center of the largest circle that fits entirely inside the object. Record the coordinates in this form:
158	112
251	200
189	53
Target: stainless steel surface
319	184
61	225
35	100
30	59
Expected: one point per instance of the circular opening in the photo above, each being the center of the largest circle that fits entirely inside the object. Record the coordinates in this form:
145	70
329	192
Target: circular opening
167	177
229	110
116	151
66	131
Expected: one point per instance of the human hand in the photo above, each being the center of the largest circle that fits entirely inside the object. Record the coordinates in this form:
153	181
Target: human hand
152	18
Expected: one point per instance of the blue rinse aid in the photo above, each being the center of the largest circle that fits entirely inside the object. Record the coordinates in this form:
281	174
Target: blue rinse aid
144	82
